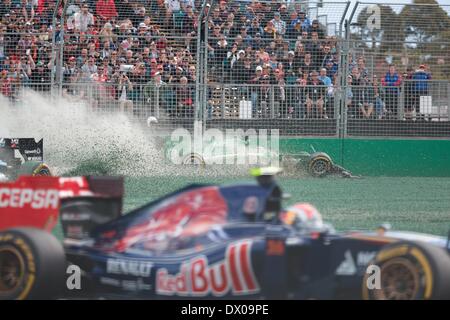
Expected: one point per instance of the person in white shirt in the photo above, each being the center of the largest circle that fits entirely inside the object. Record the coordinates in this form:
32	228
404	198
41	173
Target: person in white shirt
83	19
279	25
172	6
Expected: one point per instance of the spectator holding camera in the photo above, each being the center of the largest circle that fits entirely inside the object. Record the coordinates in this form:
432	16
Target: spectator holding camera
124	88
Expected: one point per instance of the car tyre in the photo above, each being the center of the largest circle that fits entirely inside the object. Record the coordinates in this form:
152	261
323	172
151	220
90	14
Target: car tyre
410	270
320	164
32	264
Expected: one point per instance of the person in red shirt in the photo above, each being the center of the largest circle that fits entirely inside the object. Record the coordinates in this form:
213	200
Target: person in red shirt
5	84
106	9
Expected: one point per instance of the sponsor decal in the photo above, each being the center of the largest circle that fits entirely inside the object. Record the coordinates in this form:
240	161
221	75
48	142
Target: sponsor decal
364	257
36	199
198	278
129	267
250	205
35	151
348	266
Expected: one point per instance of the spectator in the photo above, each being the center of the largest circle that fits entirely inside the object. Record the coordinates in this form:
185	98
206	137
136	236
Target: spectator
24	68
157	94
172	7
106	10
325	57
358	93
5	84
379	104
307	64
324	78
391	83
255	28
27	10
238	67
279	25
216	19
280	95
124	88
185	104
293	27
420	88
83	19
362	67
89	68
291	67
369	99
107	33
315	96
40	78
315	49
315	27
303	23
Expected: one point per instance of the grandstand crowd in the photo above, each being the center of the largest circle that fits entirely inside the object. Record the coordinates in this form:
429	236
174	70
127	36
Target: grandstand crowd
144	52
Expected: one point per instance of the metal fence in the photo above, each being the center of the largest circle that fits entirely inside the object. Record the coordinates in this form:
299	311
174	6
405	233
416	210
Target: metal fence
241	64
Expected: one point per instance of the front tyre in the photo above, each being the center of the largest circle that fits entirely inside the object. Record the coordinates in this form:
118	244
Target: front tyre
320	164
410	271
32	264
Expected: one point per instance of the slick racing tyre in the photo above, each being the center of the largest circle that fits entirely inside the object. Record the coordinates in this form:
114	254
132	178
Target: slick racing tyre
410	270
32	168
319	164
194	159
32	264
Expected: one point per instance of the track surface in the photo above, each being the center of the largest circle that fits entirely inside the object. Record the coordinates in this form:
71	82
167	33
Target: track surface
415	204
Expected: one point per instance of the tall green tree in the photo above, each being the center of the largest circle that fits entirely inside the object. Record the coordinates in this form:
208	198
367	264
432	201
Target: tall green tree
424	21
382	29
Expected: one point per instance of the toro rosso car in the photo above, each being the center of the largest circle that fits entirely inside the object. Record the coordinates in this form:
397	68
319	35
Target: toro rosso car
203	241
21	156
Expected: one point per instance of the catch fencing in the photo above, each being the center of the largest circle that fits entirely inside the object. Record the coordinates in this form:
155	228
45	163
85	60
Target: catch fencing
324	70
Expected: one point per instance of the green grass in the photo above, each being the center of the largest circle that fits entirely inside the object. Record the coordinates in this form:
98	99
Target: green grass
415	204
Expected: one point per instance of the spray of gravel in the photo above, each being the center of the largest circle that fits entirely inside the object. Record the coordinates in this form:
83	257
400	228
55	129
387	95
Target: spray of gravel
78	141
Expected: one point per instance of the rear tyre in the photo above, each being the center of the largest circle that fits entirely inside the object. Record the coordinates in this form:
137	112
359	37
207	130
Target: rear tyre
33	168
194	159
32	264
320	164
410	271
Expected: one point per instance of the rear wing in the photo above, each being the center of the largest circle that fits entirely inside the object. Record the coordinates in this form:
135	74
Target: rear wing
21	150
38	201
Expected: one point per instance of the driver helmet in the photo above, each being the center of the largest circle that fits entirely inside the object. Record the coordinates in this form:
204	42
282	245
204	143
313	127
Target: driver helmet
302	216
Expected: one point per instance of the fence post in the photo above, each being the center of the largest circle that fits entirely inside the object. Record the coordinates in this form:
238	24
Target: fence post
448	101
157	103
272	103
401	102
222	102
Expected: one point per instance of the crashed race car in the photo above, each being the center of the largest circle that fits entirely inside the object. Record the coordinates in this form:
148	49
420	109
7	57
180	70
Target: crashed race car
202	241
22	156
317	164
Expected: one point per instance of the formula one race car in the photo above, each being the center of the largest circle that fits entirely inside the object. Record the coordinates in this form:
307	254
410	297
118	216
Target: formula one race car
22	156
203	241
317	164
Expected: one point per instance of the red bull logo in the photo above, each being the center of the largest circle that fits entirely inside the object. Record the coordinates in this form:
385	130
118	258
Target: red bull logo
197	278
